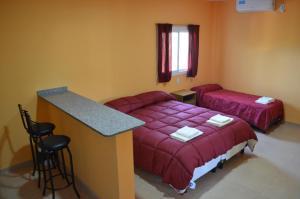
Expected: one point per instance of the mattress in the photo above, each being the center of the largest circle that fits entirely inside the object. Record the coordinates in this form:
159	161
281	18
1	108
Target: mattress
156	152
242	105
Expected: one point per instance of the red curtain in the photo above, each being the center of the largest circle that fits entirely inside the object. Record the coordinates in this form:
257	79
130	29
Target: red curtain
164	57
193	50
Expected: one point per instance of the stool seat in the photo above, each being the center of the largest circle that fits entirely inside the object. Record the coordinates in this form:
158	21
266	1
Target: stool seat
55	142
50	147
41	129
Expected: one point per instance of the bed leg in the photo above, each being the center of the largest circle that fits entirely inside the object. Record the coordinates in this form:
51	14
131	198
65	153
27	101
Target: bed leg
221	164
183	193
243	151
214	170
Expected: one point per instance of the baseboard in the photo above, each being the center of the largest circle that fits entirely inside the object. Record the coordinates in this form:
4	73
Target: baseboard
86	189
21	165
293	123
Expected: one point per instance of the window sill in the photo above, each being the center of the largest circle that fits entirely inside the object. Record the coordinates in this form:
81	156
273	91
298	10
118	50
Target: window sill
177	73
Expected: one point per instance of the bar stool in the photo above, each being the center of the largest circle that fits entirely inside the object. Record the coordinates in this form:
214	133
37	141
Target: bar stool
47	151
36	130
49	147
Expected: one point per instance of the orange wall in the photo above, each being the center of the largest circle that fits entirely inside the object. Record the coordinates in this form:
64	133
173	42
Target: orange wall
260	53
100	49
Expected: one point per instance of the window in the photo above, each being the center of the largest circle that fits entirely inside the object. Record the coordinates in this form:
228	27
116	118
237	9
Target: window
180	45
180	48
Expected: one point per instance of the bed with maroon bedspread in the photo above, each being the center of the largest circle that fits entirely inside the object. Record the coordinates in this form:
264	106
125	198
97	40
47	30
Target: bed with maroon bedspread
156	152
242	105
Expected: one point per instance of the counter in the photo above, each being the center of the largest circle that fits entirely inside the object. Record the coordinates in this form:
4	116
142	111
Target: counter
102	119
101	140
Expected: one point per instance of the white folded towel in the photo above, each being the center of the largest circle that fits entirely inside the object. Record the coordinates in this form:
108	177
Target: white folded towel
220	118
264	100
218	124
185	134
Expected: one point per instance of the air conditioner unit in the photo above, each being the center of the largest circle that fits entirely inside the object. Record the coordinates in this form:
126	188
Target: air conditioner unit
255	5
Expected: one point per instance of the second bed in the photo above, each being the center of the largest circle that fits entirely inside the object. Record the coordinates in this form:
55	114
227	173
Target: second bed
242	105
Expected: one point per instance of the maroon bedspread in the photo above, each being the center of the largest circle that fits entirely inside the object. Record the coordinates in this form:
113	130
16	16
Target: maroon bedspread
243	105
175	161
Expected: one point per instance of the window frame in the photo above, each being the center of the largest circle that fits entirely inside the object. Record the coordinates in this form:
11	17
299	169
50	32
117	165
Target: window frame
177	29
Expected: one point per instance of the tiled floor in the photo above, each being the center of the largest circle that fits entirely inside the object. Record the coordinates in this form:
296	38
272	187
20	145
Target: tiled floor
272	171
21	184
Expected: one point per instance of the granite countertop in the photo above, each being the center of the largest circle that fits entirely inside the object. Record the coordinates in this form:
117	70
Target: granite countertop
101	118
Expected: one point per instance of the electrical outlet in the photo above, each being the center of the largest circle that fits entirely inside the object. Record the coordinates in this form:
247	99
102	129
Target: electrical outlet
282	8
